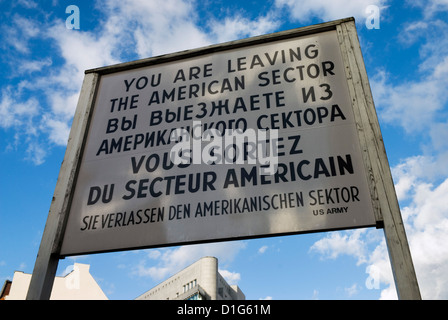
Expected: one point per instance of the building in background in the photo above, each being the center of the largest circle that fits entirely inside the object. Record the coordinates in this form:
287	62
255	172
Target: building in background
76	285
199	281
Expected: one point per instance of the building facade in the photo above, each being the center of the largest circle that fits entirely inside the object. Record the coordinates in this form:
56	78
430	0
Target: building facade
76	285
199	281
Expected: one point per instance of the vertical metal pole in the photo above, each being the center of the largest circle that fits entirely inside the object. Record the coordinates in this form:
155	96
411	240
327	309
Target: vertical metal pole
48	256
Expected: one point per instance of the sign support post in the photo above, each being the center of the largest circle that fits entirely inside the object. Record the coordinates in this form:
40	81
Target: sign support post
400	257
382	189
48	256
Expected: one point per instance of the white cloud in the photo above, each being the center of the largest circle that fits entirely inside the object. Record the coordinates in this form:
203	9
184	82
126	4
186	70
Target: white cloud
413	31
411	171
356	244
63	104
379	269
430	7
16	111
263	249
413	105
426	220
127	28
231	277
422	180
20	31
159	27
156	27
416	101
154	254
80	51
353	290
59	131
170	261
336	244
426	223
29	4
36	153
34	65
237	27
44	119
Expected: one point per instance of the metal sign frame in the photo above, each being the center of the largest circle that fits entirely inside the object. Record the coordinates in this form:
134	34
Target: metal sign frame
382	193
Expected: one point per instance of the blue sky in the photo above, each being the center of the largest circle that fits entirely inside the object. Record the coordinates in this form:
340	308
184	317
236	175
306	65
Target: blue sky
42	67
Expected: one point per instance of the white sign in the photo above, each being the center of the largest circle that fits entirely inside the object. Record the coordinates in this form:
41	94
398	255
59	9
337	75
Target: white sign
163	163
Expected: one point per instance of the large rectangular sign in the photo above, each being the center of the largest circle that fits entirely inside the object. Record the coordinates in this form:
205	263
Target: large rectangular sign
245	141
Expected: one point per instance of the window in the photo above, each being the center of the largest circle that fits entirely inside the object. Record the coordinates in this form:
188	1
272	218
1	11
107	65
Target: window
190	285
196	296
